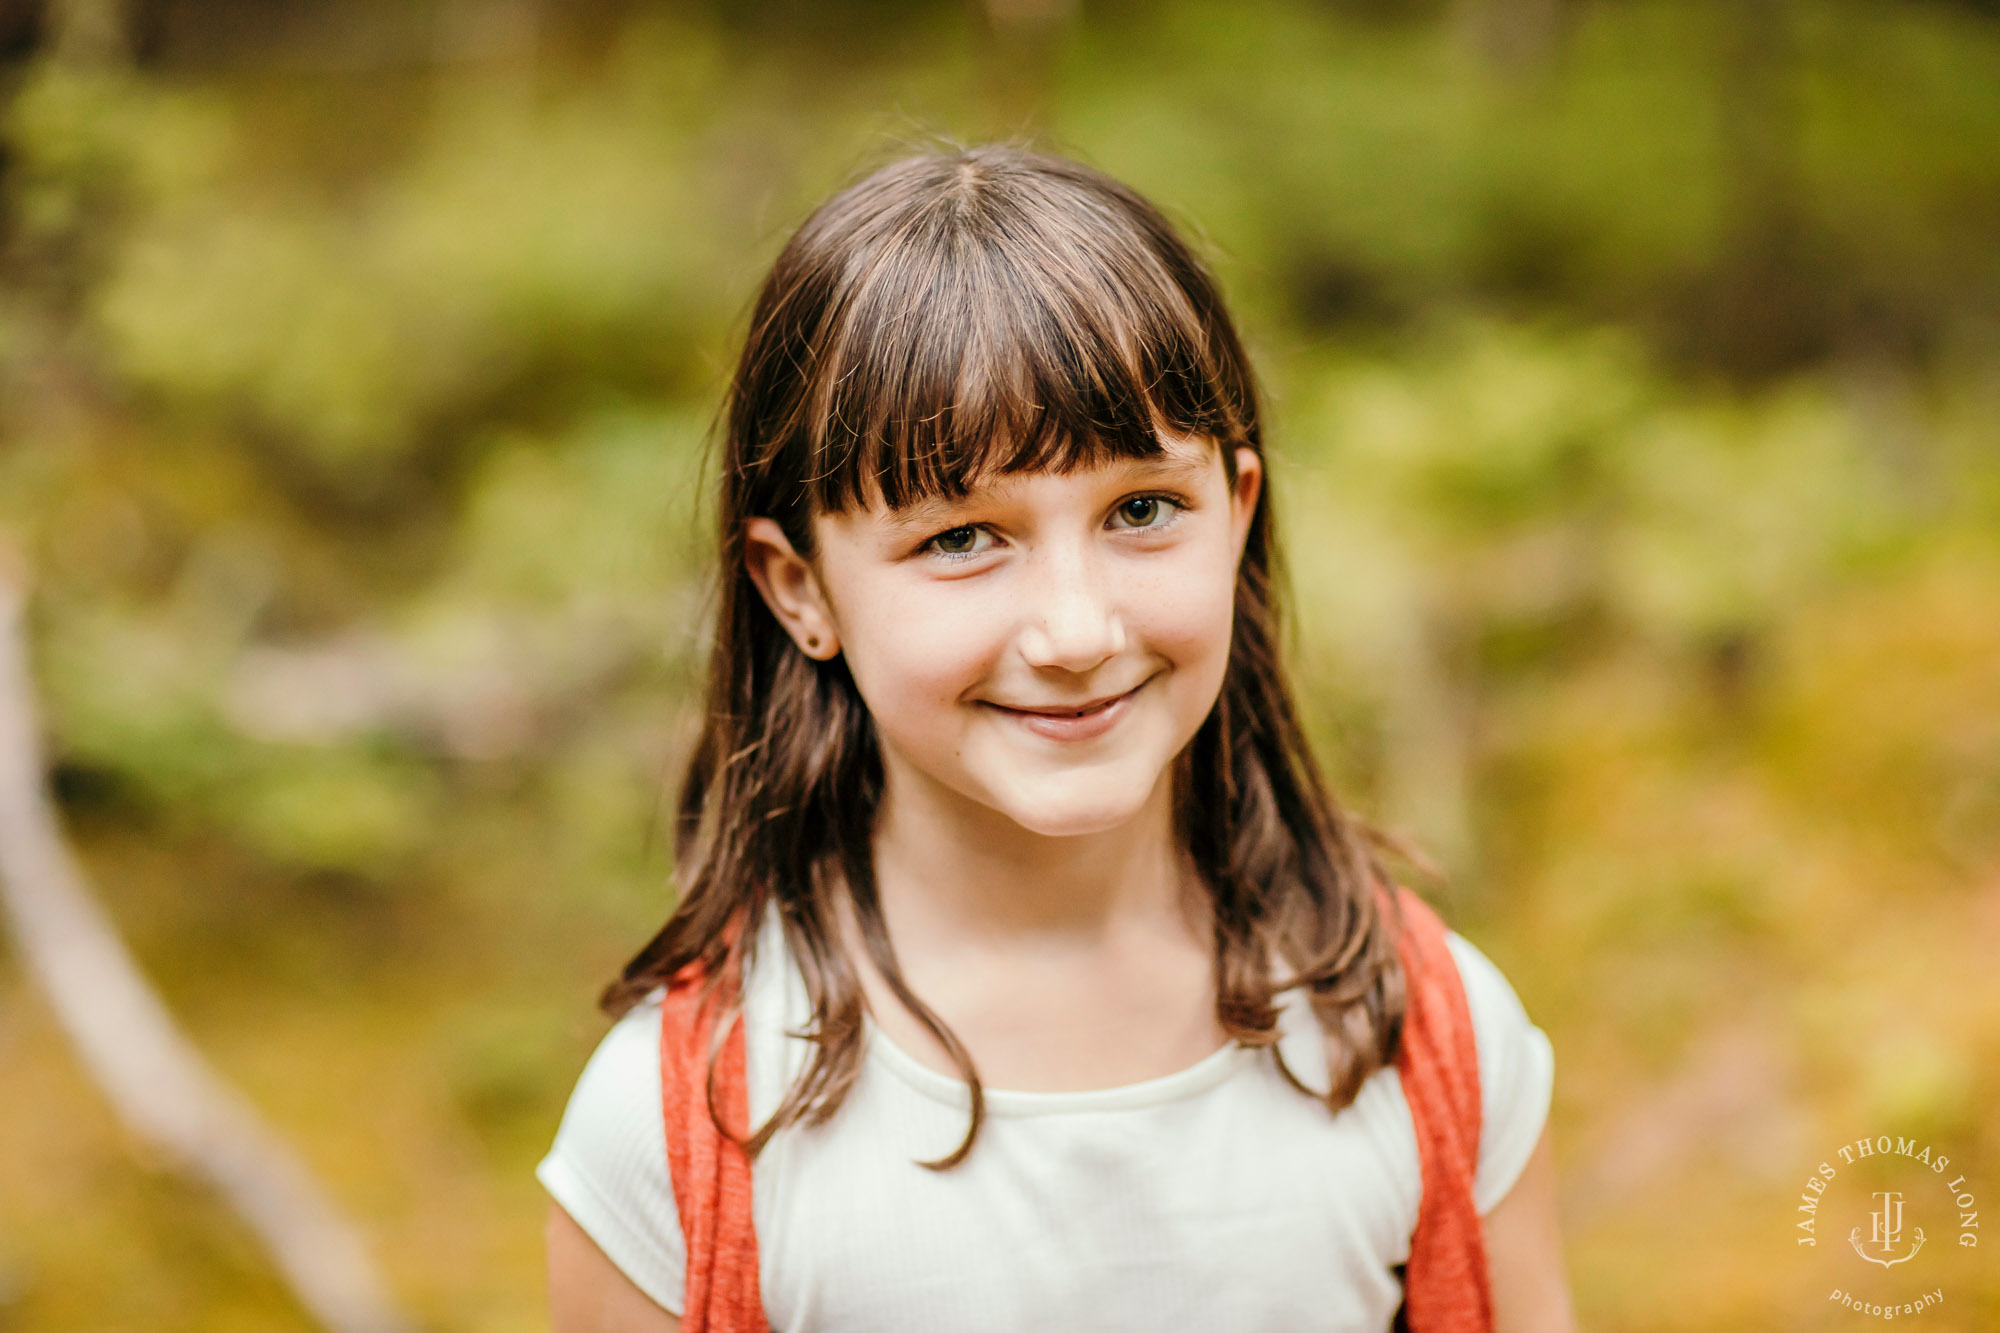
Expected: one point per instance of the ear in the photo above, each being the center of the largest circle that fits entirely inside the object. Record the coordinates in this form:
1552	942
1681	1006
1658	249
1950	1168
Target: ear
790	588
1243	497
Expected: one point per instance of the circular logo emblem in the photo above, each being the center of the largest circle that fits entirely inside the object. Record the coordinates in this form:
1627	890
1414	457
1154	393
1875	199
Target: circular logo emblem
1882	1219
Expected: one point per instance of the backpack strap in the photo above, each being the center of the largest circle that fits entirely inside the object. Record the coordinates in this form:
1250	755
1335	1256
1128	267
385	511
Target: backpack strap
710	1173
1446	1288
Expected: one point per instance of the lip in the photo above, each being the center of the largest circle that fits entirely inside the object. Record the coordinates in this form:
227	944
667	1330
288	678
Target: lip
1074	722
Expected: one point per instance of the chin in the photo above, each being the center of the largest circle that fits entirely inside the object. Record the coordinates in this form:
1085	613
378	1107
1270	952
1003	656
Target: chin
1092	807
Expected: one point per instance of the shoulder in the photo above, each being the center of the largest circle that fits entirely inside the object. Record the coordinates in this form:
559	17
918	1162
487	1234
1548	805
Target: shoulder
608	1165
1516	1072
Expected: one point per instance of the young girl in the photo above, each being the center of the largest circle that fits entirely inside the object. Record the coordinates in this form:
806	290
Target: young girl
1024	974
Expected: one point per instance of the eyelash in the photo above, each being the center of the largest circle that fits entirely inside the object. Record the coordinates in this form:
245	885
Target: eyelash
1179	505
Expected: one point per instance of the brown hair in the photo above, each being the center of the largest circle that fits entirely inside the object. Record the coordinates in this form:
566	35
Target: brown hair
948	315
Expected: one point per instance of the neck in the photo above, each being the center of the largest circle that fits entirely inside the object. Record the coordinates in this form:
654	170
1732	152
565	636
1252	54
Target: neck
951	870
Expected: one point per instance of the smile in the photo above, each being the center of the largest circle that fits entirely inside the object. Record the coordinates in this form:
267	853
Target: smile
1078	722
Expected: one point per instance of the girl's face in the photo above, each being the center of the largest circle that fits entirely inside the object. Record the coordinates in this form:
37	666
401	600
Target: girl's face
1045	646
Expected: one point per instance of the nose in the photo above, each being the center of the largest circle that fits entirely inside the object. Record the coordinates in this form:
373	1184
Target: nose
1071	620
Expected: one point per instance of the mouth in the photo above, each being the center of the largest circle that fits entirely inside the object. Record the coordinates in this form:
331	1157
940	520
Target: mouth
1072	722
1067	710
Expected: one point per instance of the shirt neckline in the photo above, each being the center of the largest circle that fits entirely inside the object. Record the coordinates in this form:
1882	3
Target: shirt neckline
1298	1038
1208	1072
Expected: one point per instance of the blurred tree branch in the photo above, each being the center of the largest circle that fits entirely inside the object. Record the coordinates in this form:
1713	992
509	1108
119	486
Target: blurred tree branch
158	1083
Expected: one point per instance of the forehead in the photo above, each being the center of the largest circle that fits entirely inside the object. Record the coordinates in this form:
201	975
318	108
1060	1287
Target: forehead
1184	462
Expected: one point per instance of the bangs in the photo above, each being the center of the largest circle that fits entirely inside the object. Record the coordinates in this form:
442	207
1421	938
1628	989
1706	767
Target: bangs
992	327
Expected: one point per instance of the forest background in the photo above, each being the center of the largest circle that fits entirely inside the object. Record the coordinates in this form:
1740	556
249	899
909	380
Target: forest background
1635	420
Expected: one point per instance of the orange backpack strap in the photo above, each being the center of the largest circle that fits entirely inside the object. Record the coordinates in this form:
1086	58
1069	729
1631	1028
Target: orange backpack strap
711	1173
1445	1287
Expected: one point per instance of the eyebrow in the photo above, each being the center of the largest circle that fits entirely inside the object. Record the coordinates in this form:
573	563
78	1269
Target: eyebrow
924	514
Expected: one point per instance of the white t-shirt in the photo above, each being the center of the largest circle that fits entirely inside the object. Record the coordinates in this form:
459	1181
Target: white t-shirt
1215	1197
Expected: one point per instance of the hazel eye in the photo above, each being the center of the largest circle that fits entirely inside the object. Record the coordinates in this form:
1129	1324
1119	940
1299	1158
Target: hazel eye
957	543
1146	511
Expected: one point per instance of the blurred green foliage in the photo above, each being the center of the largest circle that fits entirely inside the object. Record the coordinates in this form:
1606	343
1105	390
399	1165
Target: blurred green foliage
1636	430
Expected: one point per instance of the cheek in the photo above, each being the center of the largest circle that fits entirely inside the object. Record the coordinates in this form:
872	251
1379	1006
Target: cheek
1186	615
912	658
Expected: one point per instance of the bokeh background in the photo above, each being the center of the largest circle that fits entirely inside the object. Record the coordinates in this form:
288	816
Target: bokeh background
1634	405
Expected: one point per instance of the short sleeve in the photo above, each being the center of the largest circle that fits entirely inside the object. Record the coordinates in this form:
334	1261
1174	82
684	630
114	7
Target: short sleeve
1516	1075
608	1167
